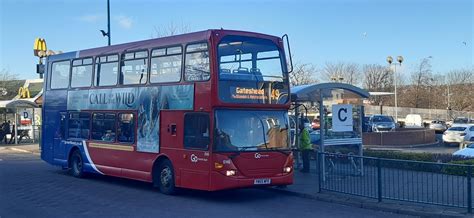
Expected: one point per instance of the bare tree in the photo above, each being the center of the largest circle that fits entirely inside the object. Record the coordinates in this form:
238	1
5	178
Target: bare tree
461	84
6	85
343	72
303	74
377	78
420	79
6	76
170	30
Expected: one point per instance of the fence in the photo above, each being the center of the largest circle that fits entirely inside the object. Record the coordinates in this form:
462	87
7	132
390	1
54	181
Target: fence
427	114
402	180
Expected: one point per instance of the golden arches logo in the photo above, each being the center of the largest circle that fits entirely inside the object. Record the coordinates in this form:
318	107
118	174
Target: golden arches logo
24	92
40	45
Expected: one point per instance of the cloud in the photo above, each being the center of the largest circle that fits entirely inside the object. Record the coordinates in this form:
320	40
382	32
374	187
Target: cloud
124	21
90	18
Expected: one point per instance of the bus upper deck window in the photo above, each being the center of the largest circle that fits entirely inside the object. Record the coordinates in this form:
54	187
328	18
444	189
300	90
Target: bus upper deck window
197	63
134	68
60	75
166	65
106	70
81	74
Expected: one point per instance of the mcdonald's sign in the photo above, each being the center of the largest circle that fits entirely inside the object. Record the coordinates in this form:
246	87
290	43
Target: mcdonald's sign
24	92
40	45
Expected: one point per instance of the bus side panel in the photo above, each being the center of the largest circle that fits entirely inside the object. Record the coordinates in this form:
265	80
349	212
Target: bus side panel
171	144
191	166
46	145
51	127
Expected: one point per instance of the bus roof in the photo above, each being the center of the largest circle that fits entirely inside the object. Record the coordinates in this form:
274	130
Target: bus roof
161	42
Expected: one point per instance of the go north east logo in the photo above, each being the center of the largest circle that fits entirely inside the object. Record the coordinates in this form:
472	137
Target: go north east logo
195	158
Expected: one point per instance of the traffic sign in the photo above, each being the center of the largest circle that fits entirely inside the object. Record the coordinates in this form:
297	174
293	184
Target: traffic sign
342	118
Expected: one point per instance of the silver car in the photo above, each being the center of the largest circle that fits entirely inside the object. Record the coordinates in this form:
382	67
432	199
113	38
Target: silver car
438	126
381	123
468	136
454	135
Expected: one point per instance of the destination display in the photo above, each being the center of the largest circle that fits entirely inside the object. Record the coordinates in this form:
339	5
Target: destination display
248	92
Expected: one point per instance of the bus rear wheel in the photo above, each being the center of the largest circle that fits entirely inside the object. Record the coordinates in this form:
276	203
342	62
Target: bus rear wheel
76	164
164	178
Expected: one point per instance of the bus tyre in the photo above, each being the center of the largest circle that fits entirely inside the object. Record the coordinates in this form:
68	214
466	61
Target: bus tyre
164	178
76	164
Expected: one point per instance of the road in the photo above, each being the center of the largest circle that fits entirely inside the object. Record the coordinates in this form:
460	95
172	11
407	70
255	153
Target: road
31	188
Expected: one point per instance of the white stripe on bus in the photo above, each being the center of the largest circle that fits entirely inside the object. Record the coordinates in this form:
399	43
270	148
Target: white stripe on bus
89	158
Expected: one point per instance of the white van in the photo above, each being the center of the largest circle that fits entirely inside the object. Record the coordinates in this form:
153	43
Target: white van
413	121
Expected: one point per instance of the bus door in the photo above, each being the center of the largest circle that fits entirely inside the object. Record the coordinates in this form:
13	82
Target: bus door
190	135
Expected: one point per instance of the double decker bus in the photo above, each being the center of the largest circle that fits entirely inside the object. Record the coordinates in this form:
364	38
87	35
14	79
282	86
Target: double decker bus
205	110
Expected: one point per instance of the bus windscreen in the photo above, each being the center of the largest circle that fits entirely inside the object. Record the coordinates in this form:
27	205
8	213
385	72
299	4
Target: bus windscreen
251	70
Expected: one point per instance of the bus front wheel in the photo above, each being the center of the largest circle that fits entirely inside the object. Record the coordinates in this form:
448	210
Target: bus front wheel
76	164
164	178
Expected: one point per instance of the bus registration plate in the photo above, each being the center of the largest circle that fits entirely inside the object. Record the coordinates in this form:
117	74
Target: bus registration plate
262	181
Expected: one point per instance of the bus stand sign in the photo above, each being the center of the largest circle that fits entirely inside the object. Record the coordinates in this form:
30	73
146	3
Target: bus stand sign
342	118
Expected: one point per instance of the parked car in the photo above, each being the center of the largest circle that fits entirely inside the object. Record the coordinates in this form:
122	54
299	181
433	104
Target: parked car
381	123
413	121
454	135
461	120
468	151
468	137
438	126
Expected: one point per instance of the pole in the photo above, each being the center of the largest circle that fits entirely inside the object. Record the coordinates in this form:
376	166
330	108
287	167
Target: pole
379	180
16	126
297	135
396	101
33	125
108	20
322	125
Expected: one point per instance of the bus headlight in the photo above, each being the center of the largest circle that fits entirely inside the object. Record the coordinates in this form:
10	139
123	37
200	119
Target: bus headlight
286	169
230	173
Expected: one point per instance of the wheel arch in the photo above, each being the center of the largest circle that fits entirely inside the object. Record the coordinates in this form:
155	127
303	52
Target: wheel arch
71	151
157	163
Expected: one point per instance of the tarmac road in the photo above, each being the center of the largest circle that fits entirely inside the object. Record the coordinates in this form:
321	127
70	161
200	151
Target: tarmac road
31	188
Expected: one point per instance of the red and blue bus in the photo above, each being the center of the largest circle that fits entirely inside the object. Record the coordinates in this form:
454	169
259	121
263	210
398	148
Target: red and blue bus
204	110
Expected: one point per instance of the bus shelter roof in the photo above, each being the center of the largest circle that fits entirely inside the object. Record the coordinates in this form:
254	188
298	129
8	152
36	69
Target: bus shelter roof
312	92
19	103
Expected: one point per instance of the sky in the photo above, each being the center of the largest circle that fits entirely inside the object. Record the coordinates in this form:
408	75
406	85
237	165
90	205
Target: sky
362	32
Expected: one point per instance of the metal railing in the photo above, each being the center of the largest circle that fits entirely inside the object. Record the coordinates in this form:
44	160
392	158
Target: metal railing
401	180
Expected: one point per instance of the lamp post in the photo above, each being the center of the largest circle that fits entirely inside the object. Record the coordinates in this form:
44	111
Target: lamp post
390	62
108	23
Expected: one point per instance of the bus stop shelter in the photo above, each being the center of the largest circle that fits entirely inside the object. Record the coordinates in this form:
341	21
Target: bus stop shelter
341	113
26	109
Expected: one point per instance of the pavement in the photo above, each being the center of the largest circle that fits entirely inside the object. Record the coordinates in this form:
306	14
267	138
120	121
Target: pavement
25	148
306	187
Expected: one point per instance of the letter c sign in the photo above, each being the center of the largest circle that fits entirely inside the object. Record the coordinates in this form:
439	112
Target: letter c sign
339	114
342	118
